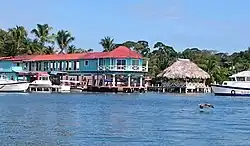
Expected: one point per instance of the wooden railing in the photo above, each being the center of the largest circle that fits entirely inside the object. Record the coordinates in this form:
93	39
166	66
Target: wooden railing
183	85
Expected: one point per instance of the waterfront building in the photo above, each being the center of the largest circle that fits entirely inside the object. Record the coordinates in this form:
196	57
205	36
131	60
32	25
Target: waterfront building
122	66
9	69
184	76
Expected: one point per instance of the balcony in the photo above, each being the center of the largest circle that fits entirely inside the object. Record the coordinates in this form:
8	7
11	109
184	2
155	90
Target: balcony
134	68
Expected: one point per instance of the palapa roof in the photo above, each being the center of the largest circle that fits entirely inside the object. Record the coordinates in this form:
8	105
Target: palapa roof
184	68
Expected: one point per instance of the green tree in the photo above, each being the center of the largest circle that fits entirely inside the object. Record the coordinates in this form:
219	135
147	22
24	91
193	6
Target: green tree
42	33
63	39
107	43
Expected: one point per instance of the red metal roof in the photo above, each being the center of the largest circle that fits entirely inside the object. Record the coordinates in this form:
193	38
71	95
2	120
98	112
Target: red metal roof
120	52
5	58
57	57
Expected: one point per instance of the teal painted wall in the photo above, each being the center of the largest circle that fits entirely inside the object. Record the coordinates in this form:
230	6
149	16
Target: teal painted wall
92	65
8	67
5	66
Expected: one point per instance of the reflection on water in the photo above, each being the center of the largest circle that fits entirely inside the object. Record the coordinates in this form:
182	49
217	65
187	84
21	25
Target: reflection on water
122	119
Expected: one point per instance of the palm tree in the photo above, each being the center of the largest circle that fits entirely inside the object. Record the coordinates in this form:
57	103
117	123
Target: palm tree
63	40
72	49
42	32
15	42
107	44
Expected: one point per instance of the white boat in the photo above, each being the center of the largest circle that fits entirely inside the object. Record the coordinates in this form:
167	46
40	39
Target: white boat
239	85
7	85
43	84
74	85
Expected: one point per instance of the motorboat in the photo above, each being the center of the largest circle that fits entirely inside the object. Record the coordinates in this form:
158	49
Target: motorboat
7	85
43	84
74	85
238	85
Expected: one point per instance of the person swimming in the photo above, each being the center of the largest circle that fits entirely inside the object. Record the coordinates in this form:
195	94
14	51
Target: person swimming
206	105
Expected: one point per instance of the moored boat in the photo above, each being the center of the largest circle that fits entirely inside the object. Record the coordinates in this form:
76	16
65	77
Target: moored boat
7	85
44	84
238	85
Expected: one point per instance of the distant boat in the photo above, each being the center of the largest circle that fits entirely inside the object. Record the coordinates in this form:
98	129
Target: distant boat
239	85
7	85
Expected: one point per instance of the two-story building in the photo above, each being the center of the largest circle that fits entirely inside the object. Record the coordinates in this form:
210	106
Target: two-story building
97	67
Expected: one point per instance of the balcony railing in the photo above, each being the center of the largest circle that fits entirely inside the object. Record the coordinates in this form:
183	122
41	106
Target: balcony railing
123	68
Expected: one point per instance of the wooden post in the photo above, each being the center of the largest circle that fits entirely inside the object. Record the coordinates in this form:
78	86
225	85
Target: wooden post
93	79
113	81
141	81
129	80
204	84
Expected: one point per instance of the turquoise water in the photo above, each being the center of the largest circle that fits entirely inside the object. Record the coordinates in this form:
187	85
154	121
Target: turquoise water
123	119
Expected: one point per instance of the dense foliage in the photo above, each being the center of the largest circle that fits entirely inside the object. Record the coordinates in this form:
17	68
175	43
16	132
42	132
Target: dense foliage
16	41
219	65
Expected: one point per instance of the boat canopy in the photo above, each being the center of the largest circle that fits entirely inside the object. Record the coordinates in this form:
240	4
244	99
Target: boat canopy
68	81
241	74
58	73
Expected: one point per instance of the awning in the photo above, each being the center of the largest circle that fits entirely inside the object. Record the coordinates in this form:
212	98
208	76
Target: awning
17	69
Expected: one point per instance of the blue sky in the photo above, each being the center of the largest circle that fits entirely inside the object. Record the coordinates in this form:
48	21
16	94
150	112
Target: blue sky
222	25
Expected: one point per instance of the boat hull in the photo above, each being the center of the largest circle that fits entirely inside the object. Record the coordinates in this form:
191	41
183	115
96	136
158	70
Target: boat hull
221	90
14	87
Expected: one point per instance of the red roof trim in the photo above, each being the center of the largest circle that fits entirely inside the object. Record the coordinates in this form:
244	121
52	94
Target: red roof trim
120	52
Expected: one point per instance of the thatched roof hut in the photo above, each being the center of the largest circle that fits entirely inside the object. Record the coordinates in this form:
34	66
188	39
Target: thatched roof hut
184	68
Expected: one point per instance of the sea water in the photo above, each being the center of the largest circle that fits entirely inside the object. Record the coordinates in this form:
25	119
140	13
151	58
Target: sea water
123	120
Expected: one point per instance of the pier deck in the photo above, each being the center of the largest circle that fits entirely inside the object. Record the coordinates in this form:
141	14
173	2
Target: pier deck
125	89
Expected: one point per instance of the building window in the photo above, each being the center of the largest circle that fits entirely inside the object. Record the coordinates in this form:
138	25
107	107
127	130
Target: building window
86	63
30	65
135	62
60	66
121	62
63	63
25	66
69	65
74	65
17	64
53	66
45	68
36	66
39	66
101	62
77	65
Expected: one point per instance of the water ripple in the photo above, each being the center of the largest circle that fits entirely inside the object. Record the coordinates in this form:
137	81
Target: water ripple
122	119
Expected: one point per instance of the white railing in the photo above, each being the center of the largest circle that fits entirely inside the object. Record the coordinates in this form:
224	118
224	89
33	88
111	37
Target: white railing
122	68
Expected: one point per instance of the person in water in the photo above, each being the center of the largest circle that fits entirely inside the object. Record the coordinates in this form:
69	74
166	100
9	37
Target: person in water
206	106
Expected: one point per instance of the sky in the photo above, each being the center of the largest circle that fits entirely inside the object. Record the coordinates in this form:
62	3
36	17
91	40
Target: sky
222	25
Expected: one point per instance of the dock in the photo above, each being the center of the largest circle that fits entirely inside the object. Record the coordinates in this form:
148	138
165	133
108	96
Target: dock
184	89
115	89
